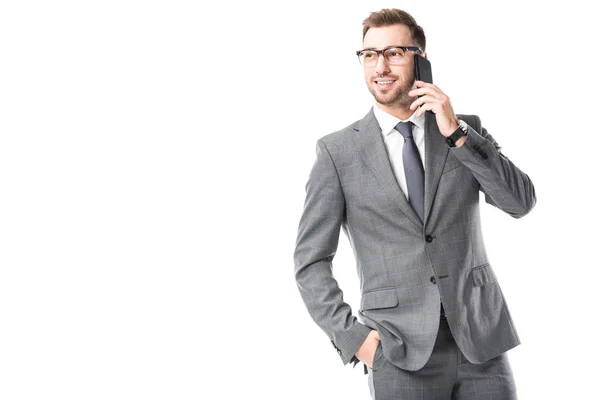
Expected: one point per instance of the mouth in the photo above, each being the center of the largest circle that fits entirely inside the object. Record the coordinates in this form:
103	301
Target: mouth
384	83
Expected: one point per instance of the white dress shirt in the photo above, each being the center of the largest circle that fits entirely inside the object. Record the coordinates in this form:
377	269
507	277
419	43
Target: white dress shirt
394	141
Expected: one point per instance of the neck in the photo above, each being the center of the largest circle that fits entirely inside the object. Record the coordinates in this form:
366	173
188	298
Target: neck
397	111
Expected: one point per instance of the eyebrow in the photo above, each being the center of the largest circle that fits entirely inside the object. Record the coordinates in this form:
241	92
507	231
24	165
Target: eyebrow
387	47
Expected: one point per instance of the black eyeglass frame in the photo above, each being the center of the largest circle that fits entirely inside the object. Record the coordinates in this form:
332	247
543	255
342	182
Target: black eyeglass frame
416	49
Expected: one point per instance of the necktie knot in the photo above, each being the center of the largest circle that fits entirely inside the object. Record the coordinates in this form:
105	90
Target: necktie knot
405	129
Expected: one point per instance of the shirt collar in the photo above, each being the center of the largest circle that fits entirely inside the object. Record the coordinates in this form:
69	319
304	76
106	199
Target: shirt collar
388	122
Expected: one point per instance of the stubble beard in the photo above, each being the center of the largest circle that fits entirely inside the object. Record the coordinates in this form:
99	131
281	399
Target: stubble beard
397	98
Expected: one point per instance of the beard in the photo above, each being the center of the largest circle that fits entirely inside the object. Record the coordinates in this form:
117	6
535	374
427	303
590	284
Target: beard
396	96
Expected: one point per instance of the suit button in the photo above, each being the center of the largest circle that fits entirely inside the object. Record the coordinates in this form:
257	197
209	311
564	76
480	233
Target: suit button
339	351
432	279
429	238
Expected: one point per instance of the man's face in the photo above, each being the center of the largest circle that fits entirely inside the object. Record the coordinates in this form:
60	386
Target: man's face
394	94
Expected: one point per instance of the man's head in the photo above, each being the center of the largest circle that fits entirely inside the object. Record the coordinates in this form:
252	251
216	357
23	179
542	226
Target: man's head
390	82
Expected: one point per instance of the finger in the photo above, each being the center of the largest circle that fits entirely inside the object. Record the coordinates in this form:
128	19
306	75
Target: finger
422	83
425	107
417	92
422	100
426	87
425	90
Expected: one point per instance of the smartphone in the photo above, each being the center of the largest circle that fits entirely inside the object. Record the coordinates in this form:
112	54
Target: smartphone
422	69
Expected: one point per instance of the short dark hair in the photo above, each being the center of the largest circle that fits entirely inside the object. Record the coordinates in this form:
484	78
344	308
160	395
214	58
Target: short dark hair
393	16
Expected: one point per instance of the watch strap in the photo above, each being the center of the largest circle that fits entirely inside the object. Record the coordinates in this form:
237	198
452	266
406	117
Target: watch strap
457	134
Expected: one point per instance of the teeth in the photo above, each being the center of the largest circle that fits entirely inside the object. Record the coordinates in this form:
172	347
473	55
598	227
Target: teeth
384	82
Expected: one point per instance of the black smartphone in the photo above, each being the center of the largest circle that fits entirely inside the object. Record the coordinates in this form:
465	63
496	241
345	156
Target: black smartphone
422	69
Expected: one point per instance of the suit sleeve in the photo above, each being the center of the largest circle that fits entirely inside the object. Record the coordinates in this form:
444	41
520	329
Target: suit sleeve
505	186
316	245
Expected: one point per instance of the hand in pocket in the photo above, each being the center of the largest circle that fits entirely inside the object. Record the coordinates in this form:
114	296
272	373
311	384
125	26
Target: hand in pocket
366	352
374	354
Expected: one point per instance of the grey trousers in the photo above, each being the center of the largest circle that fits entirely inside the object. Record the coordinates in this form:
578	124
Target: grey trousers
448	375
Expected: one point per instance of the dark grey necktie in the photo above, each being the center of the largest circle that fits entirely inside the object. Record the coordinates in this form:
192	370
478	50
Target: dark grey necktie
413	168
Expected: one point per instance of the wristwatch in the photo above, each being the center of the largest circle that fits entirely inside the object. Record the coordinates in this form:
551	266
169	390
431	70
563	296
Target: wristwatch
461	131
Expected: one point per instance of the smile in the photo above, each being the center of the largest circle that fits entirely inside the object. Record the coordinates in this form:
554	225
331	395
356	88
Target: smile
385	84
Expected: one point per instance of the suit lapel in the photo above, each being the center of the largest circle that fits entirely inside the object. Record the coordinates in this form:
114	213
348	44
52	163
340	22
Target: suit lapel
436	153
369	142
371	147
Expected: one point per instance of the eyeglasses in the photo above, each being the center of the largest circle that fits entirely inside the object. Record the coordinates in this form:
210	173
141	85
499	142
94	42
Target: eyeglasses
394	55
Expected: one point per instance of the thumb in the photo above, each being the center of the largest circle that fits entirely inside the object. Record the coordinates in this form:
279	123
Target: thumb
376	334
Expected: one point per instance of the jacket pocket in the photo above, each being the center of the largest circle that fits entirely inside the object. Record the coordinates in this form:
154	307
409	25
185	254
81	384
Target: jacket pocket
379	298
482	275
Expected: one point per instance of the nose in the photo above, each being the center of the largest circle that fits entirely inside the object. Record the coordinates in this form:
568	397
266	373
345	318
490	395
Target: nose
382	65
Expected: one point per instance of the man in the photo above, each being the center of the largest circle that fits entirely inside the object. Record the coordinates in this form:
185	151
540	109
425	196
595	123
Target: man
404	185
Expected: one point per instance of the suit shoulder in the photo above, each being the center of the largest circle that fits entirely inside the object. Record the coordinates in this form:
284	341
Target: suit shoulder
339	137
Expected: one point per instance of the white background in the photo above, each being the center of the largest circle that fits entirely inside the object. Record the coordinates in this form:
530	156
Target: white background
153	158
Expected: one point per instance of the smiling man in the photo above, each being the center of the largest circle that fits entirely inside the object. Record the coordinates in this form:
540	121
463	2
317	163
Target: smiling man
404	185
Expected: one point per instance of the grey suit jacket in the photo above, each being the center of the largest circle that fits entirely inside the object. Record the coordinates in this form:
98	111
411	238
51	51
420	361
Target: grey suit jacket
407	267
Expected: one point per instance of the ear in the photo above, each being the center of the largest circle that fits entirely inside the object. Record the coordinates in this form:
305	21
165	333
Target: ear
424	55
